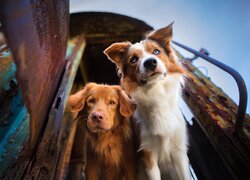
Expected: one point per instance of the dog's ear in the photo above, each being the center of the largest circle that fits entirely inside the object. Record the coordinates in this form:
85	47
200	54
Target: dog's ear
77	100
116	51
127	106
163	35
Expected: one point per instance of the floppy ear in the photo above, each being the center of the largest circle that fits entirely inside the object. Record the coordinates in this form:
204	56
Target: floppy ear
116	51
77	100
127	106
163	35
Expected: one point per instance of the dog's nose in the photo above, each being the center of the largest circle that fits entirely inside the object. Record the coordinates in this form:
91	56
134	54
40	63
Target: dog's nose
150	64
97	116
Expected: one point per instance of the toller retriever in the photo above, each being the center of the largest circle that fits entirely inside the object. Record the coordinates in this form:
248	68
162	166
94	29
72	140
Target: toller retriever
105	112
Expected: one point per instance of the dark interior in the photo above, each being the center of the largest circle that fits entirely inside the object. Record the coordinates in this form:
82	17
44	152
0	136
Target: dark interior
101	30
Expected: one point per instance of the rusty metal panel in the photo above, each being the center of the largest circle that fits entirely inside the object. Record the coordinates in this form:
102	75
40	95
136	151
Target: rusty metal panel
51	159
216	114
55	139
101	27
36	32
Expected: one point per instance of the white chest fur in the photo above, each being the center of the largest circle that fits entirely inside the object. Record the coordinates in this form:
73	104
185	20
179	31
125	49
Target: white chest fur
157	105
160	118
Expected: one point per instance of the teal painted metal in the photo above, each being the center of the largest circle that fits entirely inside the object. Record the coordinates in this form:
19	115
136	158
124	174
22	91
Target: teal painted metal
70	48
6	76
14	118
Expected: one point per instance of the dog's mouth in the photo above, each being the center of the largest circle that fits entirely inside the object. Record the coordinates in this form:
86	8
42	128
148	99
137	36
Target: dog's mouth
101	130
95	128
151	75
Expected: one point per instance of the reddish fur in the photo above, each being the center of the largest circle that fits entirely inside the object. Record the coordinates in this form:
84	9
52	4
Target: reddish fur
128	80
120	53
110	153
114	152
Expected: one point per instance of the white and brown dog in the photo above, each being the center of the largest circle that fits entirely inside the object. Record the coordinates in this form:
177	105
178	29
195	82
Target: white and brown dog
152	76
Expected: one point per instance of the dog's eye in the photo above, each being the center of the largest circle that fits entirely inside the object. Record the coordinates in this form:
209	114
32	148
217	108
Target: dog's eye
134	59
92	100
111	102
156	51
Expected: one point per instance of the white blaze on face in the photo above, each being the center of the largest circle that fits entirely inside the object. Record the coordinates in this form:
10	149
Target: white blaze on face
144	56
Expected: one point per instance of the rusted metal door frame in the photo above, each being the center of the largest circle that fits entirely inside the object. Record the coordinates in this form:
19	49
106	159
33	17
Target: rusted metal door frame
242	106
217	115
37	33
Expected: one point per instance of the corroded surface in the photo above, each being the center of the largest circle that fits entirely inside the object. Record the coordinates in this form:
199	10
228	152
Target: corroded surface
216	114
55	142
14	119
106	27
7	67
36	32
52	156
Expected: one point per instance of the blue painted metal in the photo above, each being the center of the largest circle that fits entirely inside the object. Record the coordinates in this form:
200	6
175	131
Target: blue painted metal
14	118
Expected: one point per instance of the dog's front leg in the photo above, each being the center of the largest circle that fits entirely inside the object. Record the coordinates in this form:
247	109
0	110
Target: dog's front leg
181	165
154	172
150	162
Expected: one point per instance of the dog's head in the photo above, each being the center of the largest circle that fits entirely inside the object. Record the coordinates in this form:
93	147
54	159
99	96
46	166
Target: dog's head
104	106
147	61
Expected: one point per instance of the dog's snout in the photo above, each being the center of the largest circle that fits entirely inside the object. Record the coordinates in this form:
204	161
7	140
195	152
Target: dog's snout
97	116
150	64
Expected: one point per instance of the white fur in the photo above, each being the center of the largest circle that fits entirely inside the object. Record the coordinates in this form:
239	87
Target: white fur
163	130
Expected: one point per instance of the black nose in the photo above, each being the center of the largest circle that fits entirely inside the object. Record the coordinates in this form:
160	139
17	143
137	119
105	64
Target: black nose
150	64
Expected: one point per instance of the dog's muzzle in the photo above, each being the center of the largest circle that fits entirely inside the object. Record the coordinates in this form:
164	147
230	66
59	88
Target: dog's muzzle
152	70
150	64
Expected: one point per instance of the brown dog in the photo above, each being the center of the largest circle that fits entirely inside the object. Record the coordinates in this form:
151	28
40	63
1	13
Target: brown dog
104	111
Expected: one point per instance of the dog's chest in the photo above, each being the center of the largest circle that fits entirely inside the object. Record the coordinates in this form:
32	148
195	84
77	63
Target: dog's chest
159	96
159	118
156	108
108	149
